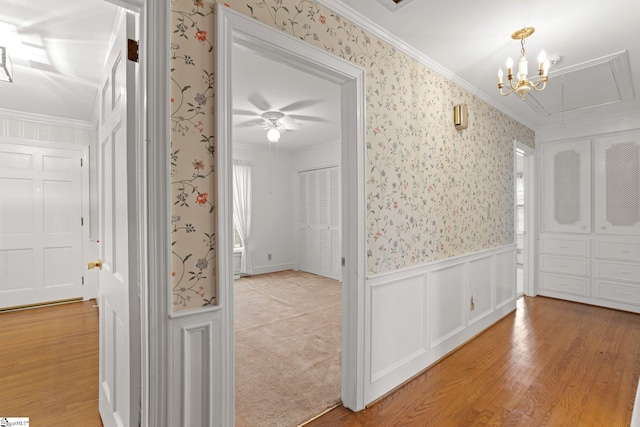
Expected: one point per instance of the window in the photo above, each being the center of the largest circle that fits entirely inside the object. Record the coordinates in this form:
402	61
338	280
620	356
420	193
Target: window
237	241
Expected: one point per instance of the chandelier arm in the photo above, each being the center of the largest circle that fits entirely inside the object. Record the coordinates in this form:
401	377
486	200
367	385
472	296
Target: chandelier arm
505	94
535	87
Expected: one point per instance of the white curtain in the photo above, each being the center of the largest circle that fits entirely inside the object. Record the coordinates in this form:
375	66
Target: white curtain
242	210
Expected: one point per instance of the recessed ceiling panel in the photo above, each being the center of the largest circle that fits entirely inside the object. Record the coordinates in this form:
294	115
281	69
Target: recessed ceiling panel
605	81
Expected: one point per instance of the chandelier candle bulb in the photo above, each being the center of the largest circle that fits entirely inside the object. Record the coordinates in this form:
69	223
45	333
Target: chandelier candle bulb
541	59
509	67
500	75
545	68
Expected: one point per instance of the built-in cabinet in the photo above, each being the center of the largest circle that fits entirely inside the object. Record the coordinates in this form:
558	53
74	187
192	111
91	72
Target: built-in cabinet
319	246
589	248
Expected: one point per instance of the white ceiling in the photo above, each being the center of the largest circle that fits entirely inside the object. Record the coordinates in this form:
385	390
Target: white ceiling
261	84
472	39
58	49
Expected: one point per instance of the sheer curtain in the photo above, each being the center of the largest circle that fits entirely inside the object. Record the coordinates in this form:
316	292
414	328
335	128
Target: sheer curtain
242	210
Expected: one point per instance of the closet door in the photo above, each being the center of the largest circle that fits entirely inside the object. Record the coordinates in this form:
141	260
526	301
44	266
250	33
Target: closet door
617	184
566	175
329	223
319	245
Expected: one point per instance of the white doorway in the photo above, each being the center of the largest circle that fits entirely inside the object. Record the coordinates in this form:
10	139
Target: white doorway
524	219
236	31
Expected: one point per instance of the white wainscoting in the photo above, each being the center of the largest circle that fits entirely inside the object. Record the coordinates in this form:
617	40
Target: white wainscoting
417	315
195	398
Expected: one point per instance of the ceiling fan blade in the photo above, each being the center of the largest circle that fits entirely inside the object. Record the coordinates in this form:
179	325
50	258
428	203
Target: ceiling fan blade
253	122
293	126
309	118
245	113
300	104
259	102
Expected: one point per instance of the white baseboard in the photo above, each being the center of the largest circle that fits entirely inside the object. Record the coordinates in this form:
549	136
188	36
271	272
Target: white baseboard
263	269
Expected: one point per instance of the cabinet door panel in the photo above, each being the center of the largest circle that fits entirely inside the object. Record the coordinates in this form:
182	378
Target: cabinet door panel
617	184
566	175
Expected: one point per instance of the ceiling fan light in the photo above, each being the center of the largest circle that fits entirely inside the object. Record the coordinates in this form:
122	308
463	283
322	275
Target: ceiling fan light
273	135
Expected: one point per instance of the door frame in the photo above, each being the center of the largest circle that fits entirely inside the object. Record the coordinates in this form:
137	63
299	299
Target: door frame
530	214
232	29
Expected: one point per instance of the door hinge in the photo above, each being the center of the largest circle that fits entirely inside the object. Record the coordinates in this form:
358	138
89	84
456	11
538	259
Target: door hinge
81	221
83	280
80	162
343	262
132	50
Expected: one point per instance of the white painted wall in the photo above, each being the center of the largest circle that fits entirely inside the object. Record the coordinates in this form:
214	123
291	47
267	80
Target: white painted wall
272	210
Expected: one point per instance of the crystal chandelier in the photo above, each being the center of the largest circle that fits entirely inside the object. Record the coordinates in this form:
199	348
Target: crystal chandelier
523	85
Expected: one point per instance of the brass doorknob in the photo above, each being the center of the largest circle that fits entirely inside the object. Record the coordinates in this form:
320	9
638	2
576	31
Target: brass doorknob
94	264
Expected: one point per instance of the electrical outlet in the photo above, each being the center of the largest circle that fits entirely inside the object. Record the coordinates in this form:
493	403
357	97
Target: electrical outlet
268	257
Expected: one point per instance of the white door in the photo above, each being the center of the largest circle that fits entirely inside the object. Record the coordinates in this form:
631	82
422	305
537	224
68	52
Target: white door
119	376
40	225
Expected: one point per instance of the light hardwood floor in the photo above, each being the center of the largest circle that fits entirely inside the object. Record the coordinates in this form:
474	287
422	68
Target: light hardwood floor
49	365
551	363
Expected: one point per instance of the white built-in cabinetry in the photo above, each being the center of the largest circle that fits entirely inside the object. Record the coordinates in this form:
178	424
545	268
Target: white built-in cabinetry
319	246
589	247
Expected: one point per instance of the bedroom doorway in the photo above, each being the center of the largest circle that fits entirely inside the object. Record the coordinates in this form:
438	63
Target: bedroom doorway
237	32
286	191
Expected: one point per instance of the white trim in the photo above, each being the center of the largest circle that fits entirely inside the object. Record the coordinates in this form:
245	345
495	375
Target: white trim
234	28
40	118
531	215
156	300
366	24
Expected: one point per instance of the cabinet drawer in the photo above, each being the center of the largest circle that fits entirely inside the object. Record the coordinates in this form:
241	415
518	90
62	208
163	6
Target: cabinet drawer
575	247
617	250
618	292
564	265
569	285
617	270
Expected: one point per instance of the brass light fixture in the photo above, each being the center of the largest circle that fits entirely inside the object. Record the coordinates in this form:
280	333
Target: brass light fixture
523	85
6	67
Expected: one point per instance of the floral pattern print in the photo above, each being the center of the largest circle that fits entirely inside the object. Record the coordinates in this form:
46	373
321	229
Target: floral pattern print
431	192
193	242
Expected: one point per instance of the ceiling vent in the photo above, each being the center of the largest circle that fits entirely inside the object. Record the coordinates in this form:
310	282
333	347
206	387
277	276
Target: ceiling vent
394	5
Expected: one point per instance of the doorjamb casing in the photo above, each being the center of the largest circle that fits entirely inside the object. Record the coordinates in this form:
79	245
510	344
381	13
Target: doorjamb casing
234	28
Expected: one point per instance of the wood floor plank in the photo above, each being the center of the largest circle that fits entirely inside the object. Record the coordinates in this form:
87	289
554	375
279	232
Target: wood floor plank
550	363
49	365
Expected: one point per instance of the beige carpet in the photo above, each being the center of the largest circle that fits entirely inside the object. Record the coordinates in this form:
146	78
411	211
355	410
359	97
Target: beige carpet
287	330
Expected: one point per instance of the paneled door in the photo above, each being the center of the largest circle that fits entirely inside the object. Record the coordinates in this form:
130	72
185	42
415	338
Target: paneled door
119	376
40	225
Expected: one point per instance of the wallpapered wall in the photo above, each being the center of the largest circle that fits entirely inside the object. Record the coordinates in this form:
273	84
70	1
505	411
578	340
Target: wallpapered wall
432	192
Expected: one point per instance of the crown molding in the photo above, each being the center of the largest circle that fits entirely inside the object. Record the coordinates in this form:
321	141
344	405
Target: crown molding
379	32
60	121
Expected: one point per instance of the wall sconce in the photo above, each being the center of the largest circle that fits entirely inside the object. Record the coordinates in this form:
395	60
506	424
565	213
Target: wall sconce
460	116
6	67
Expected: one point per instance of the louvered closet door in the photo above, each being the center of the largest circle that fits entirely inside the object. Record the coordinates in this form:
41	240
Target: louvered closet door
319	222
566	174
617	185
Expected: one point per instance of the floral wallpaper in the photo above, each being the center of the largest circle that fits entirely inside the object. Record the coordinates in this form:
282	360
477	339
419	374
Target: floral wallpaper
432	192
193	183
